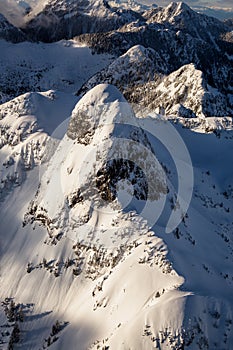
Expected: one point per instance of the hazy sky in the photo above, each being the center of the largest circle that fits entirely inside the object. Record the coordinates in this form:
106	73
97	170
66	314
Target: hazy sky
208	3
217	3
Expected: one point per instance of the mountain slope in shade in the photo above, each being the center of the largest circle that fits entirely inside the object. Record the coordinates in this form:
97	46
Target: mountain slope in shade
97	268
66	19
222	14
9	32
229	22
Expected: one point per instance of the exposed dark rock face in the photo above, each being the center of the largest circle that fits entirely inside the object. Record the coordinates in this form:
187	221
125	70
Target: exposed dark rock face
80	128
121	169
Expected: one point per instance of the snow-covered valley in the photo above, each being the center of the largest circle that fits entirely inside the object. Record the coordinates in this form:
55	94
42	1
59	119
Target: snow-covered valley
62	66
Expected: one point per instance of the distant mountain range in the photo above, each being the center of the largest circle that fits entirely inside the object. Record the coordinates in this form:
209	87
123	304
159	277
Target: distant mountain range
173	37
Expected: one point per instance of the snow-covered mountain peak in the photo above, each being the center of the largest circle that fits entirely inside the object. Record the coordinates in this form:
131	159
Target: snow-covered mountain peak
70	4
97	247
137	64
102	106
181	16
183	93
116	219
101	166
170	12
175	8
130	4
138	52
101	94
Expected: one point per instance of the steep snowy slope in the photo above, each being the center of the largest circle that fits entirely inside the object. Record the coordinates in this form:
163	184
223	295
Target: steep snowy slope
87	192
63	66
25	125
90	263
116	228
81	252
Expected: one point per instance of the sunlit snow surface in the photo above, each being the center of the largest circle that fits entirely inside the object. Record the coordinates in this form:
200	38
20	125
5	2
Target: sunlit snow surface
144	289
117	225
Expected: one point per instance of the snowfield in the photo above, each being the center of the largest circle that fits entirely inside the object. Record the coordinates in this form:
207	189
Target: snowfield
62	66
116	178
151	289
